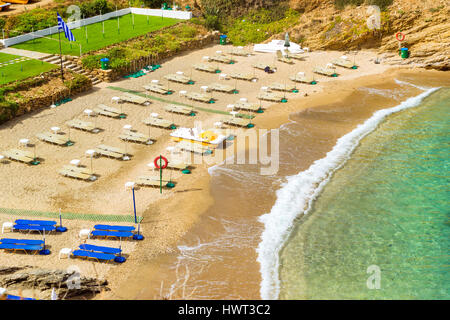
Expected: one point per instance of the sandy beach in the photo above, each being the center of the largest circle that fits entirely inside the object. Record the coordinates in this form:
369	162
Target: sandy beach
171	215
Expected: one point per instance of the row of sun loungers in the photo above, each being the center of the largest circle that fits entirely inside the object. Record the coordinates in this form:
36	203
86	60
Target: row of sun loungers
206	68
52	138
19	155
158	122
151	181
243	76
302	78
239	51
192	147
136	137
157	88
247	106
263	66
77	173
82	125
283	59
174	108
282	87
132	98
107	111
329	72
34	225
222	59
222	88
344	63
270	96
179	78
21	244
111	152
199	97
236	121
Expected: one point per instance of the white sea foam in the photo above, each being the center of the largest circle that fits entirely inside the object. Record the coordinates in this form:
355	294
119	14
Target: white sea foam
410	84
297	194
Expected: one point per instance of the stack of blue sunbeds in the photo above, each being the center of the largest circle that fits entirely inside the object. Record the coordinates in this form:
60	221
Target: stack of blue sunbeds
21	244
12	297
34	225
99	253
103	230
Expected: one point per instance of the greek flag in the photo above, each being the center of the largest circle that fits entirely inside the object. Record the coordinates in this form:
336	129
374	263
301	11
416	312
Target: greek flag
63	26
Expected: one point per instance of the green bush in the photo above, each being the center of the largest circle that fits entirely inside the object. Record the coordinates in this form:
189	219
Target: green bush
77	82
154	3
212	22
95	7
259	25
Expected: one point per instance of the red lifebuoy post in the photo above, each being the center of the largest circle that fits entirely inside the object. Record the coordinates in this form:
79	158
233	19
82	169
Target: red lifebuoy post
160	166
400	36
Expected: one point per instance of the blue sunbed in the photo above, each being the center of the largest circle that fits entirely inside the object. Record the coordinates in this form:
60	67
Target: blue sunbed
36	222
95	255
26	247
106	227
21	241
90	247
11	297
117	234
47	228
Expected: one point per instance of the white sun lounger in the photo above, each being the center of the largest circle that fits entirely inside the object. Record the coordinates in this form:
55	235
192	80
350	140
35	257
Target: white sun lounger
236	121
152	181
222	88
157	88
76	172
51	138
82	125
344	63
270	96
19	155
198	97
132	98
107	111
262	66
136	137
174	108
178	78
243	76
205	67
302	78
158	122
282	87
247	106
236	51
192	147
283	59
325	71
222	59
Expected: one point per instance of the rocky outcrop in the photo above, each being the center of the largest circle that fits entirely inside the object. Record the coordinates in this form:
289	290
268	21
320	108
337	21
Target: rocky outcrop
67	284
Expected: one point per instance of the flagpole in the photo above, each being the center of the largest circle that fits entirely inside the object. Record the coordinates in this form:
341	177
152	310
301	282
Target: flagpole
60	55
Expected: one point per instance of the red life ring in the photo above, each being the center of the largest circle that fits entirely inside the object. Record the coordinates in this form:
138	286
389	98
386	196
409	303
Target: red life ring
155	162
400	34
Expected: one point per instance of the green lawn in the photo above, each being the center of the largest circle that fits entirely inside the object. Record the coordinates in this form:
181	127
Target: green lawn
95	37
21	69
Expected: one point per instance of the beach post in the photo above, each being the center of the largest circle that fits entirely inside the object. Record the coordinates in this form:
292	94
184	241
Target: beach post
134	205
60	228
44	252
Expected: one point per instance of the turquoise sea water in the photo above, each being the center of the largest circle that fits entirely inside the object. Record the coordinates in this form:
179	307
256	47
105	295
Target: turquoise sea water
388	207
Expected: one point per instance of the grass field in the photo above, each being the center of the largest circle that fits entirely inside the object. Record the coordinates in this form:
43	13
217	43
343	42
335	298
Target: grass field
18	69
96	39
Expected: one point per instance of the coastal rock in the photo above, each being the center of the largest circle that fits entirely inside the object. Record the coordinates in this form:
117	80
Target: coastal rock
67	284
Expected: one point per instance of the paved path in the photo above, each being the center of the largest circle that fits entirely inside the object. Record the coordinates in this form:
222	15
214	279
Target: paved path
24	53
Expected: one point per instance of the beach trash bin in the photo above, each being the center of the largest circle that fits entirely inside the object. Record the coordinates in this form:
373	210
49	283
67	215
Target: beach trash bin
223	39
105	63
404	53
